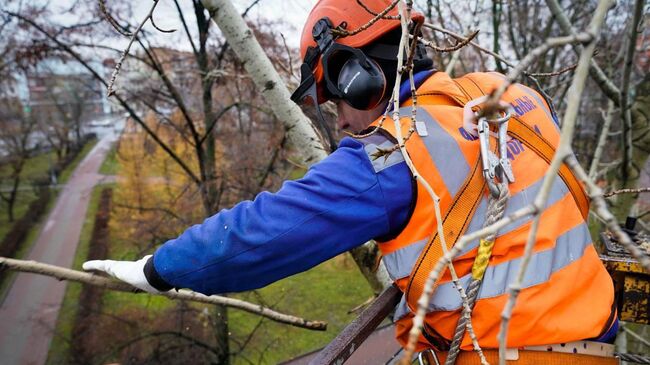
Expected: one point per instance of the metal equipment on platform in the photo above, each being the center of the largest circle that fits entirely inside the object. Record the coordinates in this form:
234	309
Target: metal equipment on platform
631	282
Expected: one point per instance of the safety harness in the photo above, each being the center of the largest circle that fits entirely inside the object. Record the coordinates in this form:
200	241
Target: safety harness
464	204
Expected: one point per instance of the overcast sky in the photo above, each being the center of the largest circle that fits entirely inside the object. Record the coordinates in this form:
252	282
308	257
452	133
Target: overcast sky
291	12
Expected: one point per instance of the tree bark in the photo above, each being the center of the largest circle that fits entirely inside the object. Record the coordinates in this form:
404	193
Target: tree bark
301	133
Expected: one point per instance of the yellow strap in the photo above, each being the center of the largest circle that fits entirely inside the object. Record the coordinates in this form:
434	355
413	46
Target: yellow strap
482	259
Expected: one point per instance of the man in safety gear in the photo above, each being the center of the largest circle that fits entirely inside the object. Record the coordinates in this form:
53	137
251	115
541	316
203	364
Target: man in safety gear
352	196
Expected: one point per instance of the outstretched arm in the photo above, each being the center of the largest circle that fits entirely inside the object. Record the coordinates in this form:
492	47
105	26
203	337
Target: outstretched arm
341	202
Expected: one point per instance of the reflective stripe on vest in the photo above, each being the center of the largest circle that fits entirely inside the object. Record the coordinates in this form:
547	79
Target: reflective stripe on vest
400	262
373	144
568	248
444	151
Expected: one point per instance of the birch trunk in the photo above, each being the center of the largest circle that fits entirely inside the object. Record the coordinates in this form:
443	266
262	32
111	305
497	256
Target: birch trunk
301	133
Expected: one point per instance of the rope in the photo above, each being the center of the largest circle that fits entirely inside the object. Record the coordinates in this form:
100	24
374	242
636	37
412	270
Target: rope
496	209
638	359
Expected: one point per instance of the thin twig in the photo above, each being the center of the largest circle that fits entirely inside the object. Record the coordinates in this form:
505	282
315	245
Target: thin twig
366	8
459	44
160	29
554	73
109	18
62	273
626	191
471	43
286	47
118	66
339	32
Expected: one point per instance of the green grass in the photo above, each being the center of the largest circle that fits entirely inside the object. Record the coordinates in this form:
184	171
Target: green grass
59	347
24	249
36	167
23	198
111	164
65	174
326	292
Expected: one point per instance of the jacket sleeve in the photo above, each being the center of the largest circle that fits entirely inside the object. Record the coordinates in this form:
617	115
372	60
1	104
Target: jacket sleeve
342	202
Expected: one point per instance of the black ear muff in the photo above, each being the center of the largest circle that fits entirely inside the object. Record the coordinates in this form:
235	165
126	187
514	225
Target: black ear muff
362	83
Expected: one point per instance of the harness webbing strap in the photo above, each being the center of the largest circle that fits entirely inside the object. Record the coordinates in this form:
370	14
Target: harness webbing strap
545	150
534	141
454	225
465	202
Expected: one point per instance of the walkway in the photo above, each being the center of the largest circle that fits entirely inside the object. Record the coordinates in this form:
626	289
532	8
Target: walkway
29	311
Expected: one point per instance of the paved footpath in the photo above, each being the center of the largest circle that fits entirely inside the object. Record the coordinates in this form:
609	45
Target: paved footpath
29	311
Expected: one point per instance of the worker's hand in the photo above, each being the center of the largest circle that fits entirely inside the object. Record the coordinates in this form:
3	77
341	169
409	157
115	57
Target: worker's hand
131	272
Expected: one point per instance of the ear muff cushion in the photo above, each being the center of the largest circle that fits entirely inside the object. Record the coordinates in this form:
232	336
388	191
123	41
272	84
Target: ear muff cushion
362	86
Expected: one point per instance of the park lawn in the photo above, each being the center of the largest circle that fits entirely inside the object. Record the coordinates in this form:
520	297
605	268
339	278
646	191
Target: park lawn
58	353
36	167
23	198
110	166
326	292
65	174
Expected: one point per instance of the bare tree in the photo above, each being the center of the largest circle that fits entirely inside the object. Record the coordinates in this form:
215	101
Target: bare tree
16	129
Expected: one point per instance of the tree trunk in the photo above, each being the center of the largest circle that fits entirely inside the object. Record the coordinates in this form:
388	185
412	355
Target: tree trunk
11	202
301	134
623	205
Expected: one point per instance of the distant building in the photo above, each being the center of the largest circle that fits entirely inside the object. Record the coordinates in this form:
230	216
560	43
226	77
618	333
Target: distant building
64	90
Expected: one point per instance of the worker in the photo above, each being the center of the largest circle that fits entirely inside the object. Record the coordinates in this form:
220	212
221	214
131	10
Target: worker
354	195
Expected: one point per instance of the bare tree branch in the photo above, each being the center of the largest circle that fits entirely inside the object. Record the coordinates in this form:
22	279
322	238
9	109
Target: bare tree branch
62	273
625	89
110	91
602	140
605	84
626	191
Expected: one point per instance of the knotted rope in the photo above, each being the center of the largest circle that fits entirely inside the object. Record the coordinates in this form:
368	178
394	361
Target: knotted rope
495	211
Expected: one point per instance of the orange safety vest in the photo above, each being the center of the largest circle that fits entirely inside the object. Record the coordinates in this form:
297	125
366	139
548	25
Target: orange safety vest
567	294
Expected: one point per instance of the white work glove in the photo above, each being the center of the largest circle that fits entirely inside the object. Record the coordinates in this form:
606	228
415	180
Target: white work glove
131	272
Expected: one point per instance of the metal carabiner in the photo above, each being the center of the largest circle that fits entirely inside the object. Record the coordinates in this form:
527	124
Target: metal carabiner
504	170
489	160
423	361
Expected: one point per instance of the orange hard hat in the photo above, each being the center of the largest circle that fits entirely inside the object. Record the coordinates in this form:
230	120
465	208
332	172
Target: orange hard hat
352	15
